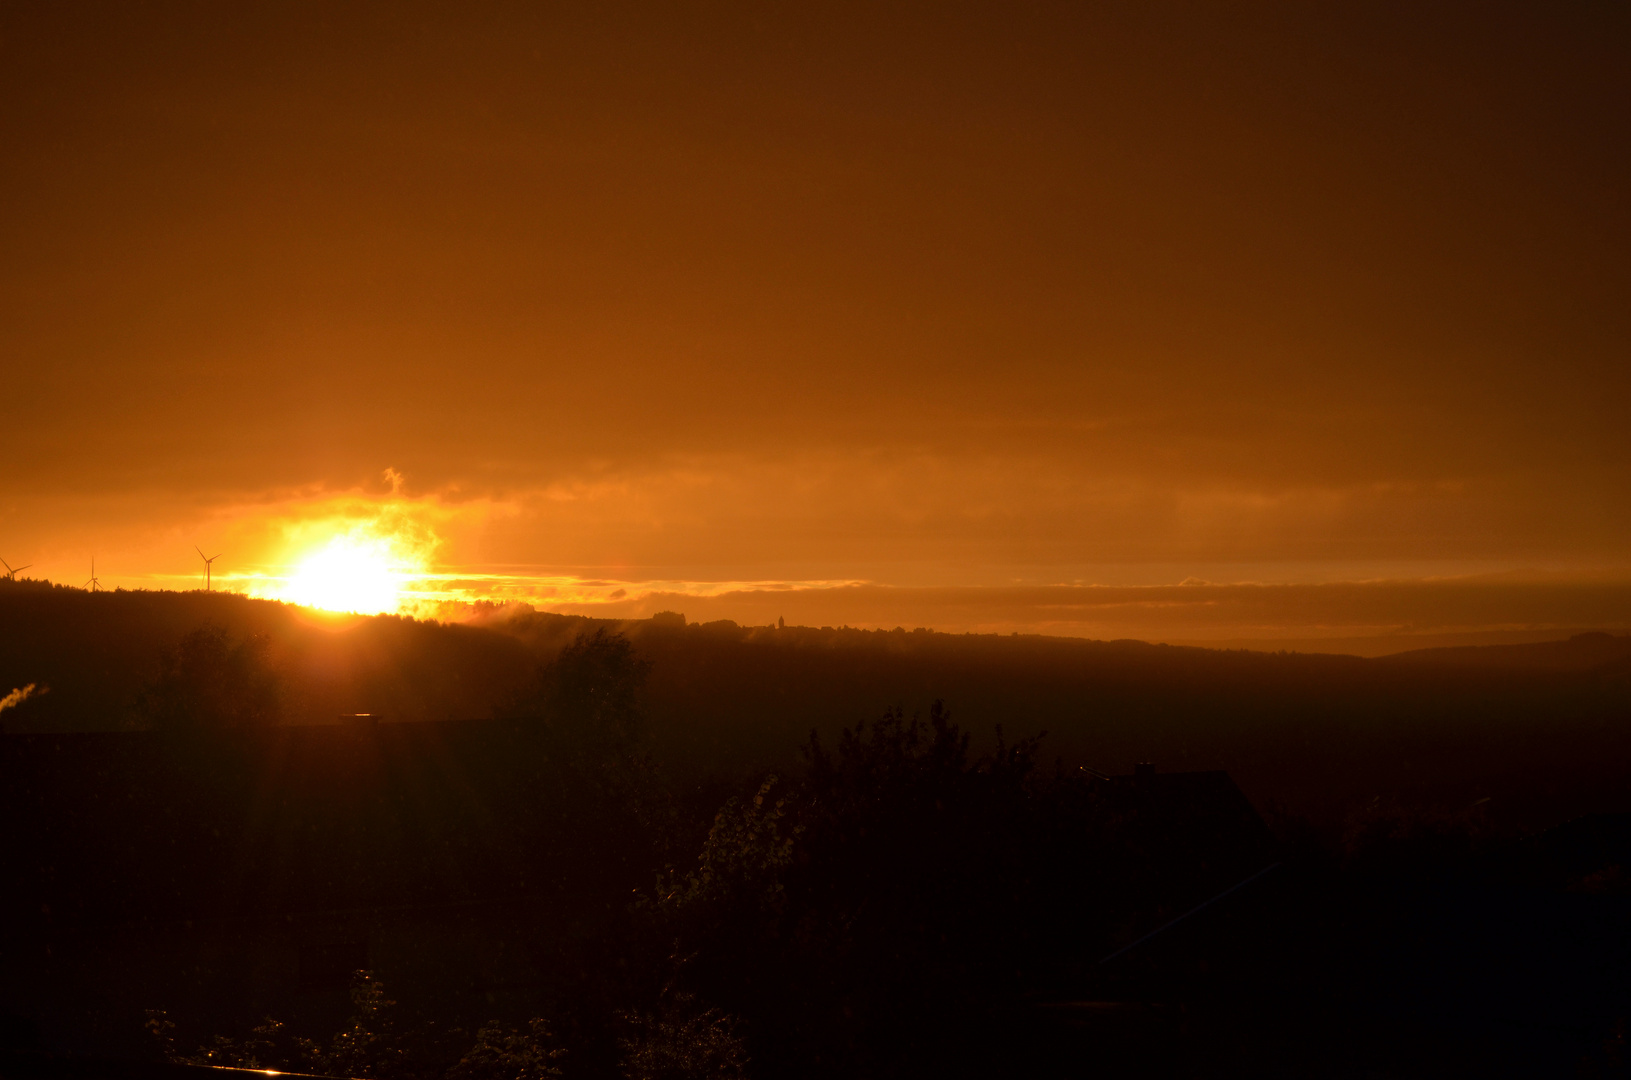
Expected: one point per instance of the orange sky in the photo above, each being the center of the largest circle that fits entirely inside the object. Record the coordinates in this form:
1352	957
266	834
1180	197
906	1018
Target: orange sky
691	297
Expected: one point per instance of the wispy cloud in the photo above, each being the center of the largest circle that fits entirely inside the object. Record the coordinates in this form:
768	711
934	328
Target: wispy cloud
911	539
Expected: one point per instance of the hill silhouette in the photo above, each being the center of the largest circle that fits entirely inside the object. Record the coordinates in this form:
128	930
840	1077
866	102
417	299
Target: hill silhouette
1598	652
1538	730
98	652
637	846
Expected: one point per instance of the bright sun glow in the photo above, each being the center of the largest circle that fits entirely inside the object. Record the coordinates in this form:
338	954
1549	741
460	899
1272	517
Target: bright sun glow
359	573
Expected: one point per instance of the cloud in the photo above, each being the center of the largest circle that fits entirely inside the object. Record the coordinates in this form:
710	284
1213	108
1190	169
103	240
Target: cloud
663	335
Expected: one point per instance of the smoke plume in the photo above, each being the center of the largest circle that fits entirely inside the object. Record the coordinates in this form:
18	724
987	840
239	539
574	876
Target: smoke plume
17	697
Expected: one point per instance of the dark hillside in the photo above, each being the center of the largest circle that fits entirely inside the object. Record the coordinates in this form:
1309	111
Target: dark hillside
1326	736
1532	734
626	822
1580	653
97	652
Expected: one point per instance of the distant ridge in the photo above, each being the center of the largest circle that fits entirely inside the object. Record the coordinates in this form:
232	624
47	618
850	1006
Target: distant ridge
1580	653
1535	729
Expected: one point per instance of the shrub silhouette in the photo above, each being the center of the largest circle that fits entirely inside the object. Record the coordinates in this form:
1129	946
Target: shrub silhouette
269	1046
369	1045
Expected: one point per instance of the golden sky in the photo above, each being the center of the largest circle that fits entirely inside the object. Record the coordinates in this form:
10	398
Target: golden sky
694	300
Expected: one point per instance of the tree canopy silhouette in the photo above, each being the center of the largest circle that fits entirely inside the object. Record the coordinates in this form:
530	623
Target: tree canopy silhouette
591	695
212	681
883	899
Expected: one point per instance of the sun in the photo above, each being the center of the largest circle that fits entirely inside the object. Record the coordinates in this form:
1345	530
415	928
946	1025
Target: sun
362	574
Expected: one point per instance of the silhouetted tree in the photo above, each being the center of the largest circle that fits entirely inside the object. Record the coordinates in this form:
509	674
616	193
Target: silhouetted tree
269	1046
683	1041
502	1053
372	1044
744	859
211	681
591	695
369	1045
880	904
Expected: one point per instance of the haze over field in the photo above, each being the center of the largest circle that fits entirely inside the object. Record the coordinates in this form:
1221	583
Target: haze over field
953	316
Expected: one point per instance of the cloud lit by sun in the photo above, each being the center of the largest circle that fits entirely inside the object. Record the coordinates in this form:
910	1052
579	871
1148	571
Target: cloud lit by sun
370	553
355	554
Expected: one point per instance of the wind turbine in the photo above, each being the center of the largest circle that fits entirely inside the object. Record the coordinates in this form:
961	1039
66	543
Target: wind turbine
13	571
93	582
207	560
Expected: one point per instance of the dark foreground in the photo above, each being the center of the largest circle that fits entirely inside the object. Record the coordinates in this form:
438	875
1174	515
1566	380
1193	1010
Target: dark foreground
894	909
552	892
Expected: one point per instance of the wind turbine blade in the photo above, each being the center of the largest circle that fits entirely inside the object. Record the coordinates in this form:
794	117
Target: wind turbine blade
21	568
